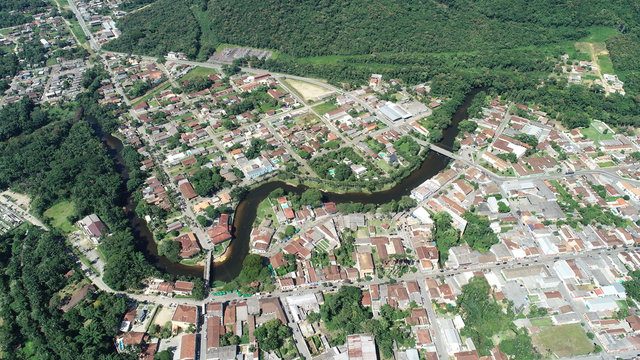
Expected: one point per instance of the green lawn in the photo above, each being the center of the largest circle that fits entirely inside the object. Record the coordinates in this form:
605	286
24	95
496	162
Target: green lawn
325	108
265	211
563	340
606	164
541	322
198	71
59	214
592	133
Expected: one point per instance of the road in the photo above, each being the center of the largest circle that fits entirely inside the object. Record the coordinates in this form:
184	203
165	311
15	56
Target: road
548	261
92	42
610	172
18	211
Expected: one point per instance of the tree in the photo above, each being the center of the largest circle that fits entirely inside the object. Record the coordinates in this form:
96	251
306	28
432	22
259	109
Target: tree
483	317
312	197
445	235
272	334
289	231
519	347
435	135
467	126
164	355
170	249
207	181
478	233
344	311
503	208
202	220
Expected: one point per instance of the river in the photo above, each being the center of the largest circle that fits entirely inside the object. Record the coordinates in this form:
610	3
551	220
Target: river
246	210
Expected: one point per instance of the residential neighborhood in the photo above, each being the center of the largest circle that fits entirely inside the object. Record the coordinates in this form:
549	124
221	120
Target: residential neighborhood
284	216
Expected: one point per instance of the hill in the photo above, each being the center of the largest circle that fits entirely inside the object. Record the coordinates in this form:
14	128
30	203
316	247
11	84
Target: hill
347	27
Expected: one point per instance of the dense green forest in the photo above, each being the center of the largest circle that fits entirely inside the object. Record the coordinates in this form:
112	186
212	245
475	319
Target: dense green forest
347	27
63	159
34	263
624	50
159	28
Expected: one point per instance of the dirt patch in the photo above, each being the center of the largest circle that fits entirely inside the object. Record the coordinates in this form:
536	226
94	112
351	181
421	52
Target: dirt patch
307	90
163	316
19	199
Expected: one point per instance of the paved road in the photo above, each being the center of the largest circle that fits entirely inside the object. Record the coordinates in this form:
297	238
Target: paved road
610	172
92	42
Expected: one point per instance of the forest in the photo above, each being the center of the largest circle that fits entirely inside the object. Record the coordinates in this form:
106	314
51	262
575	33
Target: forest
348	27
31	292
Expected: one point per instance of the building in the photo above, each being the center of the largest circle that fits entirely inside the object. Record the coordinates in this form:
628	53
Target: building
188	347
93	226
221	232
187	190
188	245
361	347
375	81
365	264
183	317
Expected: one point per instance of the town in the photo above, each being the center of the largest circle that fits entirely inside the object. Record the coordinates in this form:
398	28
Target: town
516	240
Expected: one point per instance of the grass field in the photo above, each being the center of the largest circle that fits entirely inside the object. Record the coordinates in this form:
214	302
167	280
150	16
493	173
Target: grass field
197	72
541	322
76	29
563	340
325	108
59	213
592	133
265	211
165	85
606	66
600	34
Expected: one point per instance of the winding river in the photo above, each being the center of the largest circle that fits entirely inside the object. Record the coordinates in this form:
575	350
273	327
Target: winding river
246	210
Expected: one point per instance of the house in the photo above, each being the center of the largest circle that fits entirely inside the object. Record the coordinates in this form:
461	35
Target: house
221	232
495	161
276	94
361	347
93	226
365	264
375	81
132	338
214	329
183	317
184	288
188	347
77	297
141	107
187	189
188	245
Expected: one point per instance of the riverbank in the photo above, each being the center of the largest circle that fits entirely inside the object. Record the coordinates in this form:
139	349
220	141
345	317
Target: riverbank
227	266
246	211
